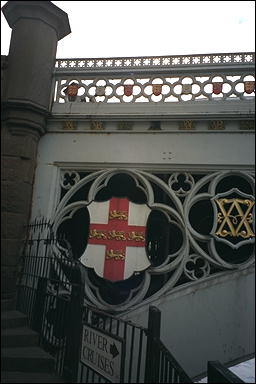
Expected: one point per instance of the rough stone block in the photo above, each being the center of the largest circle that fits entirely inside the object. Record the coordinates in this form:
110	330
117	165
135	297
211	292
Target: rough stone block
11	250
13	225
24	146
15	168
16	197
8	282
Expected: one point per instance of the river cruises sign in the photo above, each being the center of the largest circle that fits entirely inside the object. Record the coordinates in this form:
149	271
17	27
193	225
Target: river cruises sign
103	353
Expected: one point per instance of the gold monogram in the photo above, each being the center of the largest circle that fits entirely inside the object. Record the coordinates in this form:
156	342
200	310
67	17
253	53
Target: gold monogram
216	125
117	255
70	125
97	125
120	215
187	124
238	224
247	124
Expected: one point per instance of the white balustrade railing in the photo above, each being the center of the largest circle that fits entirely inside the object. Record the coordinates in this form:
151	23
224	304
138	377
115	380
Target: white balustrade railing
156	62
155	79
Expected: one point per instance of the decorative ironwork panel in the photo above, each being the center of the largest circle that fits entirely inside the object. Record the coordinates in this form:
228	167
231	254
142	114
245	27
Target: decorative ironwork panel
200	224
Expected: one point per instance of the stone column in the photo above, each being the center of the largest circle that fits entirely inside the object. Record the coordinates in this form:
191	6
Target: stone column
36	28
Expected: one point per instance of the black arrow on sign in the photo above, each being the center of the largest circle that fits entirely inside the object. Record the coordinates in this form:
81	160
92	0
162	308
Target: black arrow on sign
113	350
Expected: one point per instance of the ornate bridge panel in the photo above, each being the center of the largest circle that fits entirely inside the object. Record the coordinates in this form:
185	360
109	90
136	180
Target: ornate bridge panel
200	224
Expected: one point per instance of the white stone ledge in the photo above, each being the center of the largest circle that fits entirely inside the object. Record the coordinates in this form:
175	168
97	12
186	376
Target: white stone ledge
160	111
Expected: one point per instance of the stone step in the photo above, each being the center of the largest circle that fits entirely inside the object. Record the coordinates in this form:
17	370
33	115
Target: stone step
29	359
8	304
29	377
19	337
13	319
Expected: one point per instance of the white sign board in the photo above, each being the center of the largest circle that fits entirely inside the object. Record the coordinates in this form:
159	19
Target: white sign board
103	353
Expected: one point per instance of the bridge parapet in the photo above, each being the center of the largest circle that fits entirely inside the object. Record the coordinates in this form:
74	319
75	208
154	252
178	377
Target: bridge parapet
175	85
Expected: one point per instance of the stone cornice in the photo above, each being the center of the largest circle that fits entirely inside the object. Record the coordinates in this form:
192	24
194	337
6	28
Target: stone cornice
45	11
21	116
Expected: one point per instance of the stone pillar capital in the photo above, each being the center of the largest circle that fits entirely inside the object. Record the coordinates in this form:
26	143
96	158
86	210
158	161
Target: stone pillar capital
45	11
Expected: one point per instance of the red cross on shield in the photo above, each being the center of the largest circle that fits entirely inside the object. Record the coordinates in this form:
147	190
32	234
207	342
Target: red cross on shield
117	237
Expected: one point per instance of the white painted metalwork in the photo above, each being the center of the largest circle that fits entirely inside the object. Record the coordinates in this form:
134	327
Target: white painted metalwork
192	259
174	88
153	62
165	79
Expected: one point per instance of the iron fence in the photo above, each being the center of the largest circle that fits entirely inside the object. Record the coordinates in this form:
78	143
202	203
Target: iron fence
132	353
44	294
51	294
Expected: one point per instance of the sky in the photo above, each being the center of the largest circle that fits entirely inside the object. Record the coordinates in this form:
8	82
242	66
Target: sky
152	28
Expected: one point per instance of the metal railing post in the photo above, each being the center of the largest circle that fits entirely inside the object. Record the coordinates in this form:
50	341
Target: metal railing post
38	309
74	331
153	353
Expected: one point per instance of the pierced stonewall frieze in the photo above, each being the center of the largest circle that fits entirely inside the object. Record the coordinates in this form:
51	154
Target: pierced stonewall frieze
153	88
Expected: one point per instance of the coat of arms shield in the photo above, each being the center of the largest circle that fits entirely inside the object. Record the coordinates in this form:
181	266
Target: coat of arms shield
186	89
117	238
157	89
71	91
100	90
217	88
249	86
128	88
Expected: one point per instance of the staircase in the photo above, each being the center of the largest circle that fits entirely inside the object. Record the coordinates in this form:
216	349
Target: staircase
22	360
